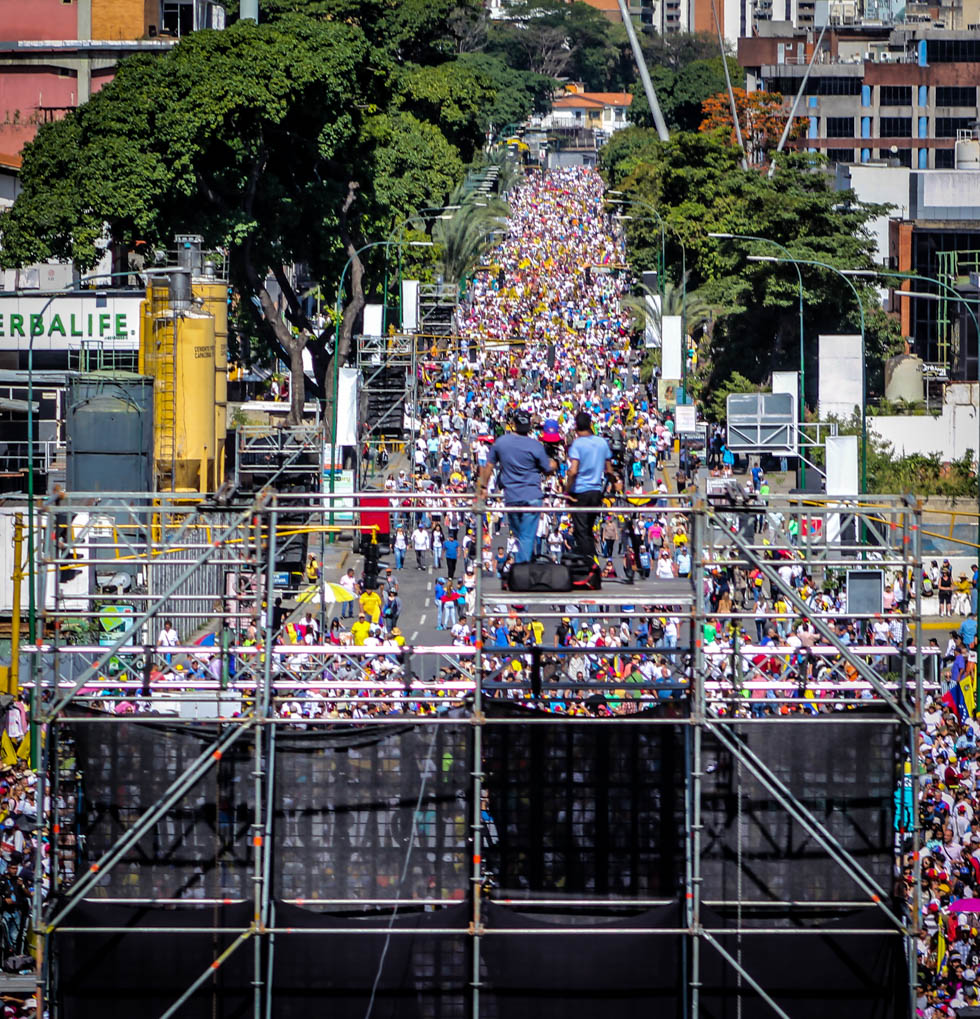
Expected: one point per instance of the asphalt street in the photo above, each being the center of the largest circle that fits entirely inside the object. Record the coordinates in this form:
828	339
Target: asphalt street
419	614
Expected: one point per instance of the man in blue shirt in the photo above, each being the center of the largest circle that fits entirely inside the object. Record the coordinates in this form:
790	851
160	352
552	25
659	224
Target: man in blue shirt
589	462
450	549
522	460
968	630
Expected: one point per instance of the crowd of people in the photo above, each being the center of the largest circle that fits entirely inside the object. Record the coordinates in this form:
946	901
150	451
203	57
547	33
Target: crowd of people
544	412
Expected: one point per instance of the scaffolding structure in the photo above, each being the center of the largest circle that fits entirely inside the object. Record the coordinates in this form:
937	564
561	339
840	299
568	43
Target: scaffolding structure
392	369
184	554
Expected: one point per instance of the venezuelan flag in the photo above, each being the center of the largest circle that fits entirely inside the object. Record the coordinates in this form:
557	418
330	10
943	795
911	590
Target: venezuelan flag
954	699
968	687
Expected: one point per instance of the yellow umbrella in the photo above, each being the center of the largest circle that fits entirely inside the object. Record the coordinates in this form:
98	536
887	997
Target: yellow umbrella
332	594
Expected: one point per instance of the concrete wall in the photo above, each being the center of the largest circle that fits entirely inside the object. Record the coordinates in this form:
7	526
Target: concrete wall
21	20
123	19
950	435
882	184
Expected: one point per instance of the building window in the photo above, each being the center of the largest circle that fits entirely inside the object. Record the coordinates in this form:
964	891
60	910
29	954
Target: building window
895	127
840	155
946	127
895	95
953	51
815	86
840	127
178	17
945	159
902	156
956	95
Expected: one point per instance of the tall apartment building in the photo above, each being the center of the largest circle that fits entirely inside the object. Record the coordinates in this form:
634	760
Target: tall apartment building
874	92
54	54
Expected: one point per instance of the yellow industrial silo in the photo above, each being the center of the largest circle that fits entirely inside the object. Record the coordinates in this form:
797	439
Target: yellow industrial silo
213	296
178	350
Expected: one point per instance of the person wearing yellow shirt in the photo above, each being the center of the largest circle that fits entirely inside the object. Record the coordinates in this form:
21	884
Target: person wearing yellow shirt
360	630
537	628
371	605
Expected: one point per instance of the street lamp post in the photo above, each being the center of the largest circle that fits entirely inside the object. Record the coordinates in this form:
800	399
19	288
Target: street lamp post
661	270
799	276
639	203
904	276
435	212
860	305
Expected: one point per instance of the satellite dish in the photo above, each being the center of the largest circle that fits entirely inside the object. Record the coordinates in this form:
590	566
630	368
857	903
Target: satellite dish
121	581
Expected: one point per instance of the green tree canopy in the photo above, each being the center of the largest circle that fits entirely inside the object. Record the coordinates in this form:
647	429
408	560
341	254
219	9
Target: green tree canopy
562	40
681	92
283	142
697	185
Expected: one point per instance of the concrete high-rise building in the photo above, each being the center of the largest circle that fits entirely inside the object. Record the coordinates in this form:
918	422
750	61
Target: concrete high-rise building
874	92
54	54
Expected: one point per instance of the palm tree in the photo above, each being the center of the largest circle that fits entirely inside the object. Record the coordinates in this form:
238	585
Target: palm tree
463	237
677	300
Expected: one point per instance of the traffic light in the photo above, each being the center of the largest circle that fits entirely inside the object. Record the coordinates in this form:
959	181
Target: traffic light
372	563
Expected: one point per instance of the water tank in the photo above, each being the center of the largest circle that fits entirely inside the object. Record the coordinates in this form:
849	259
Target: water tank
903	379
109	426
967	154
179	353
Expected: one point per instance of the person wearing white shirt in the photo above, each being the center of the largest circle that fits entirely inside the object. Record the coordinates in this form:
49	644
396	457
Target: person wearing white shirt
420	542
168	638
349	584
665	568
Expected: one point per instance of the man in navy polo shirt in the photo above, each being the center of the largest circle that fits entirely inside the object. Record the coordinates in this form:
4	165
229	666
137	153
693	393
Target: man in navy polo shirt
522	460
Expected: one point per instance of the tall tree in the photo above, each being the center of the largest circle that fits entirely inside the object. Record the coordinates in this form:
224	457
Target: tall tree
697	185
281	142
760	117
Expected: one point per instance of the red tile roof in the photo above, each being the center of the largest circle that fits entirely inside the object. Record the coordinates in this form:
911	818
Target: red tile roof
592	100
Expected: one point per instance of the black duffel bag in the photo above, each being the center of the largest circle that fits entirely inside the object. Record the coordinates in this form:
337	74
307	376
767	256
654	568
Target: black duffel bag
538	575
586	575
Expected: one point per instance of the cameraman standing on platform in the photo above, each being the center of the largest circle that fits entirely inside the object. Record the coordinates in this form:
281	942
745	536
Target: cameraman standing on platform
589	464
522	461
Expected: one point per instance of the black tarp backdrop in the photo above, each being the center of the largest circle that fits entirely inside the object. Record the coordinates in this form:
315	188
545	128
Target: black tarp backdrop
345	801
332	975
844	772
582	811
542	974
137	974
579	811
810	976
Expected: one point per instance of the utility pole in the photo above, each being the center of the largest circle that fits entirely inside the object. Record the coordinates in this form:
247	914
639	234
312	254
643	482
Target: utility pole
641	66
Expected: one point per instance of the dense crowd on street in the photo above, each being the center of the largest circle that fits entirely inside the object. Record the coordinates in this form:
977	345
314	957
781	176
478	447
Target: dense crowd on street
546	354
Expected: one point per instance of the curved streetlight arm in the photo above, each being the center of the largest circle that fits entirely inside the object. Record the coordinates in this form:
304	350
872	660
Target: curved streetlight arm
909	276
864	392
801	410
430	212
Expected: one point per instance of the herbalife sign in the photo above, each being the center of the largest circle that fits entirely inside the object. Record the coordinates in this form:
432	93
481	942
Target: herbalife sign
68	322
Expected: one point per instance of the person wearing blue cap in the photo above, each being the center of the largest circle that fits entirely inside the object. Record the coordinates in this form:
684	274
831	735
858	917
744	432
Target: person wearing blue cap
589	464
